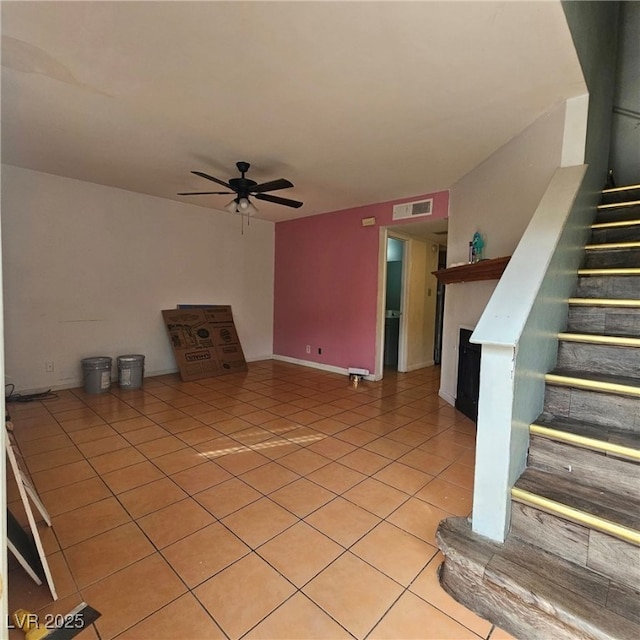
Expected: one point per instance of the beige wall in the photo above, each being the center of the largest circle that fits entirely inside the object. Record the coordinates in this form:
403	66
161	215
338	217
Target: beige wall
88	268
415	307
419	301
421	304
431	293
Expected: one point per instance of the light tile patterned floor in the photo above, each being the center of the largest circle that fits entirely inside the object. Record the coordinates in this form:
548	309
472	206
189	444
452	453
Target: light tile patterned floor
281	503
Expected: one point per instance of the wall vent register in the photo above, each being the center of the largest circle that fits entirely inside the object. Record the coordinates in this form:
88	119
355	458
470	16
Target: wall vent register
415	209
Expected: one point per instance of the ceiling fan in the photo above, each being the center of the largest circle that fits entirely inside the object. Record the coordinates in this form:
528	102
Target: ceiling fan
243	188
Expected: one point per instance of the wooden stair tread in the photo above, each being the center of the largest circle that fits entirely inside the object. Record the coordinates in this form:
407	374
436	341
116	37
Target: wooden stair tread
618	205
580	580
610	271
621	189
530	592
627	380
557	601
605	302
624	511
614	224
612	246
605	378
613	214
600	338
613	435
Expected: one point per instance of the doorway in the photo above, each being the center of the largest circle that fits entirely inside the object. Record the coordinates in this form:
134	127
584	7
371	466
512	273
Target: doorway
395	268
437	343
413	318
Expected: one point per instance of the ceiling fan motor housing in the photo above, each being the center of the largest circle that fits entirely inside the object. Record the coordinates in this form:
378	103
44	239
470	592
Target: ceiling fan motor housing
242	186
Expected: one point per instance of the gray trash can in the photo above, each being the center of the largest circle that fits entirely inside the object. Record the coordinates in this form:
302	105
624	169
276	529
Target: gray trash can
96	374
130	371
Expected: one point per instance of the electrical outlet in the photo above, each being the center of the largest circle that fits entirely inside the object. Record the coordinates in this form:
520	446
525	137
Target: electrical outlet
308	348
48	367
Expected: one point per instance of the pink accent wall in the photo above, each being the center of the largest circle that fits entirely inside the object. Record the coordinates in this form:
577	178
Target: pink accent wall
326	283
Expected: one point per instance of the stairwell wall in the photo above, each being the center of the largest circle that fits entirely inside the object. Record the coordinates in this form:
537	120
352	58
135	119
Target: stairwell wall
497	199
519	348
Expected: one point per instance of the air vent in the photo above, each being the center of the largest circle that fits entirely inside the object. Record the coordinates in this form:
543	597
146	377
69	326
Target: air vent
413	209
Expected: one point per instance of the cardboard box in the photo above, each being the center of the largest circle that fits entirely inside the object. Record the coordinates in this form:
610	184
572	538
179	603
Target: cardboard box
214	312
204	341
232	358
224	334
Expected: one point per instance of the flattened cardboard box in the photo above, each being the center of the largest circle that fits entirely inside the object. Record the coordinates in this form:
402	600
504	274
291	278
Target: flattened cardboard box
204	348
215	312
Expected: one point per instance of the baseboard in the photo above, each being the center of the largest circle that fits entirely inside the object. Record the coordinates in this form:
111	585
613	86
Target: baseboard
312	364
73	384
159	372
77	384
447	398
319	365
259	358
420	365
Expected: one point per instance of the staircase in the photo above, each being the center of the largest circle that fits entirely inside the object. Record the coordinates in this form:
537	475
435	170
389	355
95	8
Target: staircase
570	567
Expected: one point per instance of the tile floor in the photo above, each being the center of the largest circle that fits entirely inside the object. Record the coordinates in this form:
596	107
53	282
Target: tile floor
281	503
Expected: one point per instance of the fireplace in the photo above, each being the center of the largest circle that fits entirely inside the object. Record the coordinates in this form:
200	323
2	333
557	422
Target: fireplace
468	375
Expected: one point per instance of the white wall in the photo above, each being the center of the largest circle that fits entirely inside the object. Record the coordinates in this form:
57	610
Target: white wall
88	268
497	198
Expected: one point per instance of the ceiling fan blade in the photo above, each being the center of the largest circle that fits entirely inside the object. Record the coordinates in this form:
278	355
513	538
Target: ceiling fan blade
205	193
208	177
277	200
273	185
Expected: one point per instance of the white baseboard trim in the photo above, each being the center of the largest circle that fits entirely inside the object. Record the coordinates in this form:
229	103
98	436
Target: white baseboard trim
259	358
420	365
160	372
319	365
79	383
52	388
310	363
447	398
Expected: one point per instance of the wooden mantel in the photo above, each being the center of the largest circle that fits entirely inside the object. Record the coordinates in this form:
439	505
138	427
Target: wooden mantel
484	270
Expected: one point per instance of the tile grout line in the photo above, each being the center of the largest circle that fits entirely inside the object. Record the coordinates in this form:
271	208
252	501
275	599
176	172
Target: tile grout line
305	475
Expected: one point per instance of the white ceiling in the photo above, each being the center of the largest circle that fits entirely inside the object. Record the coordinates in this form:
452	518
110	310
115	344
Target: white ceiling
354	102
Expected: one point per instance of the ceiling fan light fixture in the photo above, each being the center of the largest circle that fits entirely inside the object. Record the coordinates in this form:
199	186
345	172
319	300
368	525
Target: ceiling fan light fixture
249	209
242	206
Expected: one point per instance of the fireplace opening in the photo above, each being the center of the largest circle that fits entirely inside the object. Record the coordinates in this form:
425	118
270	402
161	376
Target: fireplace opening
468	390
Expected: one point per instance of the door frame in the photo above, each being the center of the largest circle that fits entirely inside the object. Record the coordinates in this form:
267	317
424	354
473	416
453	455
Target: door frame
385	234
